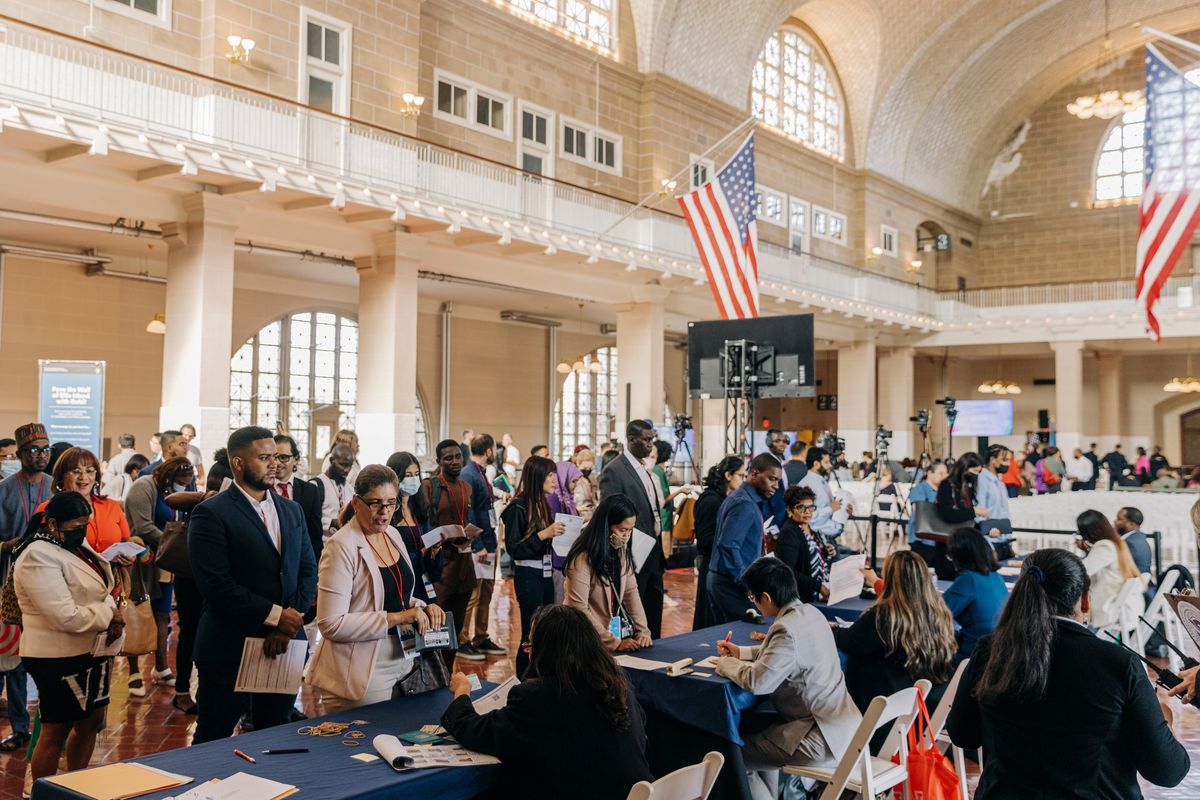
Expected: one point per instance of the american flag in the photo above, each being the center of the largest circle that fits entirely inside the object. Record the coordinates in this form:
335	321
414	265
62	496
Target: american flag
722	216
1170	205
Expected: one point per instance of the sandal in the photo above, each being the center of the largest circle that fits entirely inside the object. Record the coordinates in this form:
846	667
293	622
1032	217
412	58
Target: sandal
136	687
14	741
184	703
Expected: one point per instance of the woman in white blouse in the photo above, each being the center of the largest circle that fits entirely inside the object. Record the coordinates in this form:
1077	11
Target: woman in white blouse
364	592
1109	564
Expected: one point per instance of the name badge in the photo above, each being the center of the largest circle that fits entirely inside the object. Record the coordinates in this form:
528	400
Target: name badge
492	518
429	592
408	640
614	627
547	566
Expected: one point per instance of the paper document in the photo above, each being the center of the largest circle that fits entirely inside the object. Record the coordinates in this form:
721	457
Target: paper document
101	647
442	533
495	699
393	751
118	781
1009	571
633	662
123	549
239	786
643	546
279	675
485	566
710	662
845	579
574	527
847	499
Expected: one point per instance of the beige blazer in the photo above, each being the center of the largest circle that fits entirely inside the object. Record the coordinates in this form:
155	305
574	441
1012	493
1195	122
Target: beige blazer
583	590
64	602
350	612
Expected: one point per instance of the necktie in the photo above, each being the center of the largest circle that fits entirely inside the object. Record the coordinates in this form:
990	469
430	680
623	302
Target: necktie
283	490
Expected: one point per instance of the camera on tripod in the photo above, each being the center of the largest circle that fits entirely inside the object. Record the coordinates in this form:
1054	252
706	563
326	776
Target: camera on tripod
882	434
921	418
683	423
831	443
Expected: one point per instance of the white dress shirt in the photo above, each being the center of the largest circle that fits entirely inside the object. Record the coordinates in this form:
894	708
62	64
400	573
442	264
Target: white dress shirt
648	485
266	512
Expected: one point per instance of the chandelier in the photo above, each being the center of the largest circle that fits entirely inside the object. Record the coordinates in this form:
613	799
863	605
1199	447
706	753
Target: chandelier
1109	103
996	385
577	366
1188	385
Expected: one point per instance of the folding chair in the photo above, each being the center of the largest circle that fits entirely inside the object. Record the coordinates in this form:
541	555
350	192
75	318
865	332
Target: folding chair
688	783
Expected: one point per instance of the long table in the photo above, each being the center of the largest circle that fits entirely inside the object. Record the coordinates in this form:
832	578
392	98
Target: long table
326	772
852	609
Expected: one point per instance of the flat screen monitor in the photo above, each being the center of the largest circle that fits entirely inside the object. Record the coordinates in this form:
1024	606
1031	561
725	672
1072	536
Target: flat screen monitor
790	336
984	418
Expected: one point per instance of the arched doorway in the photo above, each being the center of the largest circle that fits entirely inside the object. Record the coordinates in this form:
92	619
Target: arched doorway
1189	432
935	254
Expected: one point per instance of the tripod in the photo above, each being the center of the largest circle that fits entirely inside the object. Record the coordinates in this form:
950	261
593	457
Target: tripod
681	443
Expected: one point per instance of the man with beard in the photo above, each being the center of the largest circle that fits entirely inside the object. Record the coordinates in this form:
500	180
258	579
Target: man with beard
738	542
450	503
819	465
254	566
335	487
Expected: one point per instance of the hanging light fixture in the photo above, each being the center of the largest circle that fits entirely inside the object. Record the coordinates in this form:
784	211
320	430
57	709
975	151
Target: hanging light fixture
157	325
1187	385
1109	103
997	385
579	366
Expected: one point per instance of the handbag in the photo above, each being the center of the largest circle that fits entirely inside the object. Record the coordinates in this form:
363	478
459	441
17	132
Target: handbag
928	524
428	673
141	631
10	609
930	774
172	552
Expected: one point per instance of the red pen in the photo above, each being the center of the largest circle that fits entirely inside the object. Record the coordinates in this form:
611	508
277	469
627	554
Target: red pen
240	754
729	636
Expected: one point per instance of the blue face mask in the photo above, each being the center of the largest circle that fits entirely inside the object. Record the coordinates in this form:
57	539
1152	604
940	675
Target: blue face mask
410	485
9	468
179	487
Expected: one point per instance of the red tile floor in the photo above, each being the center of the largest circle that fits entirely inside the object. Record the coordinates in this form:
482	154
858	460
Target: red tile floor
137	726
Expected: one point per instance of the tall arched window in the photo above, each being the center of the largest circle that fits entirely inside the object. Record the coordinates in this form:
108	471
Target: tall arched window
794	89
301	370
586	412
1119	172
589	21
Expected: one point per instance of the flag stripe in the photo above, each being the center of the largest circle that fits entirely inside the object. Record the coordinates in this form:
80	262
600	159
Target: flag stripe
717	284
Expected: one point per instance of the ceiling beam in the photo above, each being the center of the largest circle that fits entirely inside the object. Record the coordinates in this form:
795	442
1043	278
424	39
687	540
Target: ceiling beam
161	171
473	237
306	202
240	188
65	152
366	216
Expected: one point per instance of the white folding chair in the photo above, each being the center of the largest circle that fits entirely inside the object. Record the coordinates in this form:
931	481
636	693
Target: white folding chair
1159	610
937	722
859	771
689	783
891	745
1127	627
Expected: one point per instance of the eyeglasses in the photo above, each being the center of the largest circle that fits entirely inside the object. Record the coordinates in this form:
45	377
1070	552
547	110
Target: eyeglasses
282	457
82	472
37	451
380	505
805	508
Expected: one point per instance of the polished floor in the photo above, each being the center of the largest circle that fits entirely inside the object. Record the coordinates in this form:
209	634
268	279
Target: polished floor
149	724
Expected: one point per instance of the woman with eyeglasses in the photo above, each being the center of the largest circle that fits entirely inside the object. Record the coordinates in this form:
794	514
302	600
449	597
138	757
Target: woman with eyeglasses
801	548
366	608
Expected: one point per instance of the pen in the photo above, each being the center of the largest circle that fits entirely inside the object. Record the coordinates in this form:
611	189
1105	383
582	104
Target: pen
284	751
240	754
729	636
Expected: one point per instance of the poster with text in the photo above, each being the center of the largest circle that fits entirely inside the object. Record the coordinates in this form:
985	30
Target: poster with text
71	402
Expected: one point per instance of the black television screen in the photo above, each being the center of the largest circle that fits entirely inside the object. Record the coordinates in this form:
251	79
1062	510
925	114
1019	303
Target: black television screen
791	336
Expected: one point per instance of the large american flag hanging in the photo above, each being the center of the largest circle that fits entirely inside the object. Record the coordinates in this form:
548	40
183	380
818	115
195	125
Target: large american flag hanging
722	215
1170	205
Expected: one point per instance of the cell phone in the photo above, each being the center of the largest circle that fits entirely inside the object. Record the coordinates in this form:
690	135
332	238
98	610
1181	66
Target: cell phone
474	681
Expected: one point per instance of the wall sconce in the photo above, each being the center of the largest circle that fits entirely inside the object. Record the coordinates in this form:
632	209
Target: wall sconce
666	187
914	265
412	104
157	325
239	49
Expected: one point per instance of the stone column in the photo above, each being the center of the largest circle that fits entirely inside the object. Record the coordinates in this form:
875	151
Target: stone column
856	397
639	390
1068	394
1108	370
895	393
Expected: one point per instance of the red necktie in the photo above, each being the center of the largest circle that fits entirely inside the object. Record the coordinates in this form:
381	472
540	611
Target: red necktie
283	490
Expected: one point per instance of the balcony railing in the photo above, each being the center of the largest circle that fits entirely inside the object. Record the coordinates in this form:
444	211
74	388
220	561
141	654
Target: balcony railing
1083	292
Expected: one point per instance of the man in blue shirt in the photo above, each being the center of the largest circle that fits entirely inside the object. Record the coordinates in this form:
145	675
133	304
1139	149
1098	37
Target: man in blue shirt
991	494
777	444
819	465
739	538
1128	525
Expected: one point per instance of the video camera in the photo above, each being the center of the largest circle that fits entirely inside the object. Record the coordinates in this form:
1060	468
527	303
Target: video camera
683	423
831	443
921	418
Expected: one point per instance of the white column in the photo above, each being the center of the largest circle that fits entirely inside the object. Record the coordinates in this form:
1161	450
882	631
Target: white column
1109	373
640	357
856	397
895	392
198	343
386	418
1068	394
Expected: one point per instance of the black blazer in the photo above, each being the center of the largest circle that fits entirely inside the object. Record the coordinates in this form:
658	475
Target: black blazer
554	745
870	670
950	505
311	498
619	478
240	574
1096	728
792	548
705	516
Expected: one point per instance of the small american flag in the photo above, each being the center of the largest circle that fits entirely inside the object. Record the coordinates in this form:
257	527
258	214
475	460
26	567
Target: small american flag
722	216
1170	206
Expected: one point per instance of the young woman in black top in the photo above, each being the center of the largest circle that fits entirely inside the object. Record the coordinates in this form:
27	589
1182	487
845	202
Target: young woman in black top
956	495
528	529
724	477
411	519
800	548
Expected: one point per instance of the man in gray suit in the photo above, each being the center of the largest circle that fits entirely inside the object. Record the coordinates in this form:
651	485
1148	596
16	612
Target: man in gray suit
797	664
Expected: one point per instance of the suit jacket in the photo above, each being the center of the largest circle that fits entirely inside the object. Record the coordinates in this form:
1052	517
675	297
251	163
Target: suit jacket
593	596
793	548
797	664
241	575
619	478
310	498
64	602
539	738
1095	729
350	613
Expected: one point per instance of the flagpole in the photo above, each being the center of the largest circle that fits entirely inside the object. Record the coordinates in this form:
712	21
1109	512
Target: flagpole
1184	43
676	176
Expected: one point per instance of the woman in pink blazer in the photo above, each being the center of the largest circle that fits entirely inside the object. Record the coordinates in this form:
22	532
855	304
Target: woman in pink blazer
364	592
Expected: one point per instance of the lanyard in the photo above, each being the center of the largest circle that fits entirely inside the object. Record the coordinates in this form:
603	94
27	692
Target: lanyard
459	509
24	498
393	568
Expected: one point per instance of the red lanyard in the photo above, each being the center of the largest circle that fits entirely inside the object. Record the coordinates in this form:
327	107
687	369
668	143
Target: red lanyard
393	568
461	510
24	503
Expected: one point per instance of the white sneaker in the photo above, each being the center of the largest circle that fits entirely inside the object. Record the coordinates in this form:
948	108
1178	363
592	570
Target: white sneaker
163	678
139	690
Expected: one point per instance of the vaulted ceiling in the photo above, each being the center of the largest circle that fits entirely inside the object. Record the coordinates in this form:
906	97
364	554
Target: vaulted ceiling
933	87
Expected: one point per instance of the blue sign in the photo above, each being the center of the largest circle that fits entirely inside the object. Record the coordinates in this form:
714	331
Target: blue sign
71	401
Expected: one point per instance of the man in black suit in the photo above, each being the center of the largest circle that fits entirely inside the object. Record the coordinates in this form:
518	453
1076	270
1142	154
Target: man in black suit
628	475
1091	456
307	494
254	565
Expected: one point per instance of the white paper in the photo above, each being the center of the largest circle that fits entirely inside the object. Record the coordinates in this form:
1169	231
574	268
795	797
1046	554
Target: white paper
573	527
485	569
710	662
1009	571
239	786
402	758
439	534
279	675
126	549
643	546
845	578
847	499
101	647
495	699
633	662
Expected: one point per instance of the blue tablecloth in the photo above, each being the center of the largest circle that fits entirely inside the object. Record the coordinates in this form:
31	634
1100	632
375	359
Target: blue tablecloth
852	609
327	772
712	704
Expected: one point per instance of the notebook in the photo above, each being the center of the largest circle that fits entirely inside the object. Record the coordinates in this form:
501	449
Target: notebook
118	781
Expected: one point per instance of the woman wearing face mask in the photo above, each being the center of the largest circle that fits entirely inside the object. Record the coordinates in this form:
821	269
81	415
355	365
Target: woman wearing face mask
956	495
412	518
599	576
148	513
528	529
365	589
67	595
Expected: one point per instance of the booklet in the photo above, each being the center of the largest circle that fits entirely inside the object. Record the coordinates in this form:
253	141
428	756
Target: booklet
279	675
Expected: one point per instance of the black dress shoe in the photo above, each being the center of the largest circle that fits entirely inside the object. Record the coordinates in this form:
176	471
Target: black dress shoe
14	741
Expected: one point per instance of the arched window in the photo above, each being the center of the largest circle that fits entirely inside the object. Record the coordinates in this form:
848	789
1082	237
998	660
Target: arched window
794	89
301	370
588	21
1119	172
586	412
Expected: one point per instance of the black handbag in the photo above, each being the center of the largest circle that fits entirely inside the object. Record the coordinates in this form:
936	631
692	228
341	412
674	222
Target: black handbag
172	552
928	525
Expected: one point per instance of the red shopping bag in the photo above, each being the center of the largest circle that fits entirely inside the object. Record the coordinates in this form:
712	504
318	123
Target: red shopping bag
931	776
